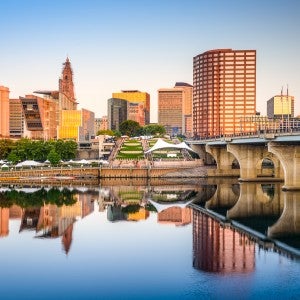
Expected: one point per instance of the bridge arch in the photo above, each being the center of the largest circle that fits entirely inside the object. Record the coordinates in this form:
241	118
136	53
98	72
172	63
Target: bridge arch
227	163
290	159
268	166
251	158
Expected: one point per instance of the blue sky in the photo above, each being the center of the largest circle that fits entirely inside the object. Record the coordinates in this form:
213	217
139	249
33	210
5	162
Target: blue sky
144	45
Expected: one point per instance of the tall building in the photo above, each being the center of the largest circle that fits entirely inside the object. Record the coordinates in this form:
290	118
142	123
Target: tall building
116	112
101	124
67	99
76	124
40	117
224	91
16	118
175	109
141	101
281	106
4	112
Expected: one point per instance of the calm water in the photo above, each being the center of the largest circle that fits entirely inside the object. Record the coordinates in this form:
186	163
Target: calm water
114	243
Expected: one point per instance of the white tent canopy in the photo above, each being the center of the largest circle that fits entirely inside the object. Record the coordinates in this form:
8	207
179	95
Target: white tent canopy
162	206
161	144
5	166
29	163
83	162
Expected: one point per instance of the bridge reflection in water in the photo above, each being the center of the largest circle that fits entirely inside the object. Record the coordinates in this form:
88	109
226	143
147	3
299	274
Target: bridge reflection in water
230	220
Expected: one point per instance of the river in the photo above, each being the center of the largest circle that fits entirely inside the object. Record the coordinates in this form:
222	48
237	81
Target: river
161	240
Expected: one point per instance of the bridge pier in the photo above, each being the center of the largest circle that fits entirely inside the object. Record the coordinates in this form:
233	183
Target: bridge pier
254	202
250	158
224	160
289	156
223	197
200	150
289	222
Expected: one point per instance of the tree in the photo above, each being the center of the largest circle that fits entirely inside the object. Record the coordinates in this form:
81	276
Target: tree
6	146
106	132
13	157
66	149
154	129
53	157
130	128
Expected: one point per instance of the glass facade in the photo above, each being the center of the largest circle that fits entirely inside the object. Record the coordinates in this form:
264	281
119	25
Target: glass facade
76	124
117	112
135	96
281	106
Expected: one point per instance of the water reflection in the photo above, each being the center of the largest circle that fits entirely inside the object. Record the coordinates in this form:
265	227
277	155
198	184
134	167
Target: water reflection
232	216
50	213
219	248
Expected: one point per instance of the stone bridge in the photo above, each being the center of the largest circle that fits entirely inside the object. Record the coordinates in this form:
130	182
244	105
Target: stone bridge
245	156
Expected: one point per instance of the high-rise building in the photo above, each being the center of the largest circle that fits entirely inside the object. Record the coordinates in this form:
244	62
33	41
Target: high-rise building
4	112
116	112
224	91
281	106
76	124
16	118
142	103
40	117
175	109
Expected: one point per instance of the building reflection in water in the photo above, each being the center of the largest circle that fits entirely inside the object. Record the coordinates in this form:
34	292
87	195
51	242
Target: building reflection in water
48	220
4	218
220	249
178	216
264	208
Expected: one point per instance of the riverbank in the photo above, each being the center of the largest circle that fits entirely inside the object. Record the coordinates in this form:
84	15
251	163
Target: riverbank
68	174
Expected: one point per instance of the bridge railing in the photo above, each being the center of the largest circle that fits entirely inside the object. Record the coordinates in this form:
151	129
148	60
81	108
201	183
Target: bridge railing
257	134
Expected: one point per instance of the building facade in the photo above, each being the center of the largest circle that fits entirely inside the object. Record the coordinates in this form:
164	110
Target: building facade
40	117
224	91
175	109
281	106
141	101
16	118
116	112
77	125
4	112
101	124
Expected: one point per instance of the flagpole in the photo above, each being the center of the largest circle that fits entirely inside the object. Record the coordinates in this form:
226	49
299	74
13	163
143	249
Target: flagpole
288	103
281	109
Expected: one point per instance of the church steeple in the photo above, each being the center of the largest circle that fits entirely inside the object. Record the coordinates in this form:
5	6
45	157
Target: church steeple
66	85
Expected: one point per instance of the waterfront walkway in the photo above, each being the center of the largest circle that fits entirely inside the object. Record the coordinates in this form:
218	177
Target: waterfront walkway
170	169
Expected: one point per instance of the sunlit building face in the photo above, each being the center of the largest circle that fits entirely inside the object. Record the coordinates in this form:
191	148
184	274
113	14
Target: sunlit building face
224	91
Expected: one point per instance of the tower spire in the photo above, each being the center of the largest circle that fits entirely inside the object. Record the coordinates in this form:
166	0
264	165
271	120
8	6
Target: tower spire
66	85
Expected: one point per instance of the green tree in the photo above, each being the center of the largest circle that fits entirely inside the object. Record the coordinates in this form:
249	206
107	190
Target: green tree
106	132
130	128
13	157
6	146
154	129
54	157
66	149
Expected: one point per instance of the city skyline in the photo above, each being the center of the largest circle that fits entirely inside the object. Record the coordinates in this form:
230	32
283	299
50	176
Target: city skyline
144	45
